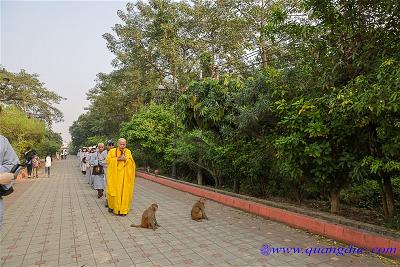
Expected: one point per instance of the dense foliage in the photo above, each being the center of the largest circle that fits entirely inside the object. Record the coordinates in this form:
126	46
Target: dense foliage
29	94
293	99
27	112
24	132
149	133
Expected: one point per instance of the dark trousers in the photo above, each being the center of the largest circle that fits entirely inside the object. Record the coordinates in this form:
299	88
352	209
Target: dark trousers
29	168
47	170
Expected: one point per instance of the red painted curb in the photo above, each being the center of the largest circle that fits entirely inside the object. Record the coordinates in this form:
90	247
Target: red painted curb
338	232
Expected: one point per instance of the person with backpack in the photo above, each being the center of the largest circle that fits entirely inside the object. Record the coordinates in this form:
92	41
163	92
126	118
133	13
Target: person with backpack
29	154
35	166
97	169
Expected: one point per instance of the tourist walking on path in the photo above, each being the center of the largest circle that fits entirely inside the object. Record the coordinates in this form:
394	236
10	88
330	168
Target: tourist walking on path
97	169
8	159
47	165
120	178
35	166
29	154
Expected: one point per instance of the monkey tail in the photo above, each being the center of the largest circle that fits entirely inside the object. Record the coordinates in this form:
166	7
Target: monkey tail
136	225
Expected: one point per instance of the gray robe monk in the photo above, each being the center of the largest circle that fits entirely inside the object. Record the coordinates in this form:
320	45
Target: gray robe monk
98	180
8	159
83	165
103	163
89	177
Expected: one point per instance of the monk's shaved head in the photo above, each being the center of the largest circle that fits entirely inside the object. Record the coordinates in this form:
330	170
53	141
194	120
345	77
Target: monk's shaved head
121	143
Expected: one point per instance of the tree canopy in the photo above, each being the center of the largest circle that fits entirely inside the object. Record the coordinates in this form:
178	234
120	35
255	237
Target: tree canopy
292	99
27	111
26	92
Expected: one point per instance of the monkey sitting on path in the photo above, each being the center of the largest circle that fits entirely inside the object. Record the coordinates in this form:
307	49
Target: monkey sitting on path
198	210
149	218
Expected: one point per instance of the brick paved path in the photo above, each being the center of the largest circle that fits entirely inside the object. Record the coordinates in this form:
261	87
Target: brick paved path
60	222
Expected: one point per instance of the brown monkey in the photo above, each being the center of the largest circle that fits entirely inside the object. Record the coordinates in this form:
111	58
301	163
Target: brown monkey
149	218
198	210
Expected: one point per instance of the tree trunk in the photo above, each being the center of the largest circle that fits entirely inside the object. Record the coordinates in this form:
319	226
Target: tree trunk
334	201
218	183
384	202
262	47
215	177
387	184
199	171
199	176
236	185
296	191
263	56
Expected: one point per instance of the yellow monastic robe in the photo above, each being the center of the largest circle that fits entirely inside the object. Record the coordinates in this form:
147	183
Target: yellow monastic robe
120	180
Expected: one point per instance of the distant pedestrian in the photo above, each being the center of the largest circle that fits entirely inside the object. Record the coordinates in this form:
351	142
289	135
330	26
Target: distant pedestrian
29	154
35	166
47	165
89	176
79	157
83	160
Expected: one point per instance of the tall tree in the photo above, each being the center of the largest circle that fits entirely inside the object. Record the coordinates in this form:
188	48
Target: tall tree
25	91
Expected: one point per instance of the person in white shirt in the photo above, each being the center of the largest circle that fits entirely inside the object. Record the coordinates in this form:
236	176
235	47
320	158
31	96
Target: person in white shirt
47	165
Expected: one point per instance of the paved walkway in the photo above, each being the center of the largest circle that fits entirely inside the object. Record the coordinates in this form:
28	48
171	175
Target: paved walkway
59	221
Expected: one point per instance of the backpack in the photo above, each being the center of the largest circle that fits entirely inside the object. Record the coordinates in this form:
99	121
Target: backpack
35	162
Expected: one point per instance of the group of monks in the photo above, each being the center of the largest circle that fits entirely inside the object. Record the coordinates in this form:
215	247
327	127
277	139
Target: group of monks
118	171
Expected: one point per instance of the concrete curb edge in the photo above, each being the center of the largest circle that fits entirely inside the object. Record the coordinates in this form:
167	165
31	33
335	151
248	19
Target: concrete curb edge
335	231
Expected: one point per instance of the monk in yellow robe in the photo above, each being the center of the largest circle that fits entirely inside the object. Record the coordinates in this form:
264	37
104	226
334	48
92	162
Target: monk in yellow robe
120	178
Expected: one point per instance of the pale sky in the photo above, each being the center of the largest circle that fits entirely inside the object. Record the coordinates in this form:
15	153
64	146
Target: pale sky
62	42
